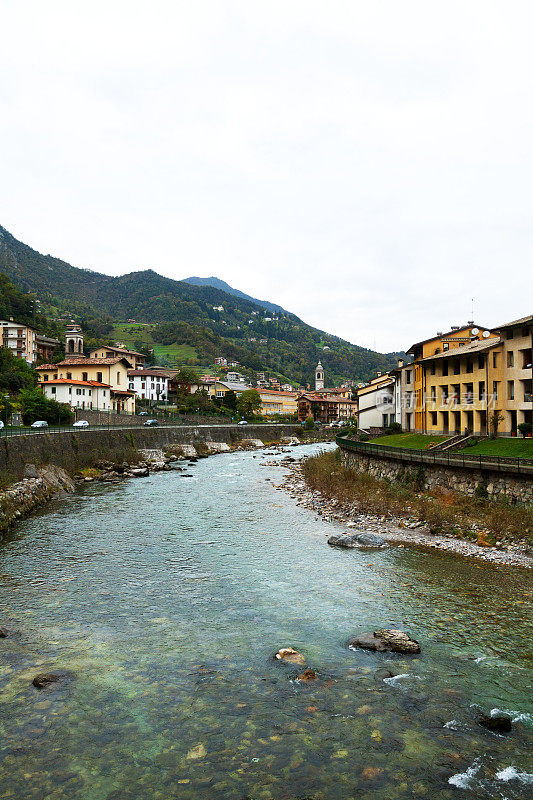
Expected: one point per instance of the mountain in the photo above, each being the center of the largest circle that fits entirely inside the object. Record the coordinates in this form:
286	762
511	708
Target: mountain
216	283
181	322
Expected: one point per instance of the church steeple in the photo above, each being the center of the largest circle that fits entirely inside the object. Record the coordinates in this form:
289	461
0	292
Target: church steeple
319	377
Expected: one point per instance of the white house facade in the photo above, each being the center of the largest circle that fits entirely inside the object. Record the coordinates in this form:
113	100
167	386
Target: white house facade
148	384
90	395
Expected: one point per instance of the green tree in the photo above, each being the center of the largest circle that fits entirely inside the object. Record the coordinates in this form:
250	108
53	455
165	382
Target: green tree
230	400
35	405
248	402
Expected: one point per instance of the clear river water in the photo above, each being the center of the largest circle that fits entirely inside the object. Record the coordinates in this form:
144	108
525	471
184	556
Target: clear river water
163	600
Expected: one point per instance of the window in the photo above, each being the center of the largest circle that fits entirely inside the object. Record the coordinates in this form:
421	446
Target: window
408	376
45	377
495	389
89	392
457	366
433	367
78	391
510	333
84	376
444	368
53	388
433	418
99	377
444	391
481	390
510	390
433	394
118	378
69	376
510	359
70	390
495	359
469	365
446	346
481	362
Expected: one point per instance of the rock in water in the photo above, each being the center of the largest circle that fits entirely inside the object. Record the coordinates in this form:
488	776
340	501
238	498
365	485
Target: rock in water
4	633
499	723
45	679
356	540
386	640
343	540
290	655
307	675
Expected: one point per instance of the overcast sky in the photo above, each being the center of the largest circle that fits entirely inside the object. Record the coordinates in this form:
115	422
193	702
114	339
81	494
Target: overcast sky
367	165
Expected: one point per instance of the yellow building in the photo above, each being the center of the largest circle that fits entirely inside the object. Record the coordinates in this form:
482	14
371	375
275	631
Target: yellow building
136	360
274	401
467	377
110	371
20	339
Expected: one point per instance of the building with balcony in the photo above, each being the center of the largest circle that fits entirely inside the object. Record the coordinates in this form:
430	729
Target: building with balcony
113	372
20	339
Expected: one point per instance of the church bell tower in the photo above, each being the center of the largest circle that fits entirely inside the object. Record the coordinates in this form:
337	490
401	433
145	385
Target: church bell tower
73	340
319	377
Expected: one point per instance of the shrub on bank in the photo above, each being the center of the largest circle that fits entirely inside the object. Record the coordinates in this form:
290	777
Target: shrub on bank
448	513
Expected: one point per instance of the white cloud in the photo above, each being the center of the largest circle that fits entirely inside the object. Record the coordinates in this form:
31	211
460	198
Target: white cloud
366	165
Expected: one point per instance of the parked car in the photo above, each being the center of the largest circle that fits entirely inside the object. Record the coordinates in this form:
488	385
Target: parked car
243	422
39	423
142	414
150	423
81	423
1	424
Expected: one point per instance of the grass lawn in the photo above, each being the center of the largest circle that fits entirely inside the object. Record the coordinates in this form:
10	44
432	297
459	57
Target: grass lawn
414	441
508	448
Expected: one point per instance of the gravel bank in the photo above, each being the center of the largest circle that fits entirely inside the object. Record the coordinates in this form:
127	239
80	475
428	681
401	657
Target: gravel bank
404	531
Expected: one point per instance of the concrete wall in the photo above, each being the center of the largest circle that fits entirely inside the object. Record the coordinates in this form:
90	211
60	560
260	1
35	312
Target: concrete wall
437	477
74	450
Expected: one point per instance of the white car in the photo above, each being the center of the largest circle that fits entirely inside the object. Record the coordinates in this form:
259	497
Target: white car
1	424
242	422
81	423
39	423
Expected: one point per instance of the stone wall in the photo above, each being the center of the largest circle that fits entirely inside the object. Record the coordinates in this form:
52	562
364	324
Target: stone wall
74	450
465	481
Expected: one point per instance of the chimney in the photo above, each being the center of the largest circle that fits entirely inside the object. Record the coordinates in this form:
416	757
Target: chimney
470	322
439	333
454	327
400	363
379	374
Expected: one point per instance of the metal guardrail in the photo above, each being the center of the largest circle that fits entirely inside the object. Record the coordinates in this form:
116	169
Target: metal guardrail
11	432
520	466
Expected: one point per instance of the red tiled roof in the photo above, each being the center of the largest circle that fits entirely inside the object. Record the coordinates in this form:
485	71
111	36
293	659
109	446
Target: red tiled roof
70	382
82	362
119	350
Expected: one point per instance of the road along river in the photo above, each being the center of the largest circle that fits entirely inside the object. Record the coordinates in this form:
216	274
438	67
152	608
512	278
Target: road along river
161	602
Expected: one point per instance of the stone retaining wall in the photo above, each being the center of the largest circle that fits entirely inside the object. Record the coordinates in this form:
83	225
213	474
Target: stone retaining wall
428	476
74	450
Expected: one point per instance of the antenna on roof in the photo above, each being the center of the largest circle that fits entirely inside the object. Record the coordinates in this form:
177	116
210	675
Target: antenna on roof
472	315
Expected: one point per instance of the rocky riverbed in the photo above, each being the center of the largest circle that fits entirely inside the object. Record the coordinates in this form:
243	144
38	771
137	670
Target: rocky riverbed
402	531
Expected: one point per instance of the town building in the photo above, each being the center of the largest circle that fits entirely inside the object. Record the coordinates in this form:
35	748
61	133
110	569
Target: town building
113	372
149	384
73	340
137	360
326	406
517	360
89	395
377	402
467	378
221	361
274	401
20	339
46	346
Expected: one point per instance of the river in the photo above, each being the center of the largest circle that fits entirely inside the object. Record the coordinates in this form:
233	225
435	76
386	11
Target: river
163	600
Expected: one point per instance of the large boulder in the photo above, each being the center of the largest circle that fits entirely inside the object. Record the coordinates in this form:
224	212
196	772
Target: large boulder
351	540
499	723
386	640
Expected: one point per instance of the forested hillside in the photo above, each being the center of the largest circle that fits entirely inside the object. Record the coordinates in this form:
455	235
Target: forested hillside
182	314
